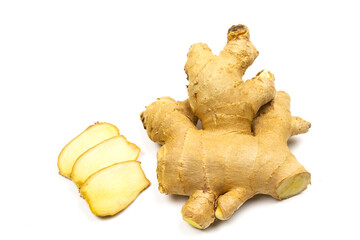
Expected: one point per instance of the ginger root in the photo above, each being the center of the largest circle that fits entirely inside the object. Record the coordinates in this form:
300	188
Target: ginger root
241	150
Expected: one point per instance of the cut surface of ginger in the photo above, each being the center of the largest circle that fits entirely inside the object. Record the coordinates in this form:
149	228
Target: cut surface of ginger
92	136
293	186
114	150
112	189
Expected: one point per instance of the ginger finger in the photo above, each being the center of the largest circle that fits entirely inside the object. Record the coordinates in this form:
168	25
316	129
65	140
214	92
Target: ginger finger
198	211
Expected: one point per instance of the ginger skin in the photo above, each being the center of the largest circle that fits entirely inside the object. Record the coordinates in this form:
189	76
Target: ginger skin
241	150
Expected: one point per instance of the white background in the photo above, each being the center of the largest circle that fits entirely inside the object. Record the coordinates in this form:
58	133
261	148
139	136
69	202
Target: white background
67	64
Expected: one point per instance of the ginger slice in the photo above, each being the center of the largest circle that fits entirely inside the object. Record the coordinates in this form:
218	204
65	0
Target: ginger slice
114	150
112	189
92	136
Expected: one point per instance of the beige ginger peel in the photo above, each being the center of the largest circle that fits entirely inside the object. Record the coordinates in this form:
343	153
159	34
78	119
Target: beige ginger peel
241	150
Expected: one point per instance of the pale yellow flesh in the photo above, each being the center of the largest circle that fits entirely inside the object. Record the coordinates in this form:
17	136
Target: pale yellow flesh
112	189
192	223
293	185
219	214
109	152
92	136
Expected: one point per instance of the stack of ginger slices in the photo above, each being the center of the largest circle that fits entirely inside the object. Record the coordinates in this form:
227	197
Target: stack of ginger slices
102	163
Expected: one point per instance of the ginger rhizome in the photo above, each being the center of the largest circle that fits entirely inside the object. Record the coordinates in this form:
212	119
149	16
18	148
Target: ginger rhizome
241	149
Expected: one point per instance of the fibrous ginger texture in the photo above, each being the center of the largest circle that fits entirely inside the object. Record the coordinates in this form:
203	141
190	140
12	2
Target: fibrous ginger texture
241	149
113	188
92	136
113	150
